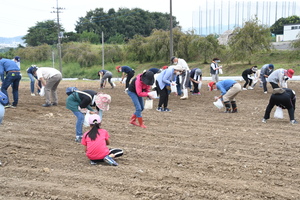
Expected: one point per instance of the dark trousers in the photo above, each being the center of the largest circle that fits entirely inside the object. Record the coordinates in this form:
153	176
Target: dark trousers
248	80
163	96
129	77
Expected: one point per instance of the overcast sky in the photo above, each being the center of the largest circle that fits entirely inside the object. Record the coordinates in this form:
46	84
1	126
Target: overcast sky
16	16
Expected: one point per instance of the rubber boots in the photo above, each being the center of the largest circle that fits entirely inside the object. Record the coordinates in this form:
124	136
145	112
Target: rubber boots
140	119
132	120
227	106
234	107
185	94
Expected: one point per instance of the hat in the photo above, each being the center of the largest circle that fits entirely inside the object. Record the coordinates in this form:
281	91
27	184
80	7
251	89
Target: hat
278	90
103	101
178	67
271	66
94	119
172	59
148	78
290	73
17	58
210	85
198	72
165	67
216	59
118	67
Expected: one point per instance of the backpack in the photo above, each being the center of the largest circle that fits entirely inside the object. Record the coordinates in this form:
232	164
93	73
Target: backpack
3	98
70	90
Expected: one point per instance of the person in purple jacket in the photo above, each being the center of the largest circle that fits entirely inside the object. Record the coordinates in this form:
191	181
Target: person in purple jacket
229	89
140	87
126	72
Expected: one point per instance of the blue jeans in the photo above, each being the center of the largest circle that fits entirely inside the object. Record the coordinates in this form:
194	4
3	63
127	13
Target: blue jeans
79	123
14	79
32	80
2	112
138	103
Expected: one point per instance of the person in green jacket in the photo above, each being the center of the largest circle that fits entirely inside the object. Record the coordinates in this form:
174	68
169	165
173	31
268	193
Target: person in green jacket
79	102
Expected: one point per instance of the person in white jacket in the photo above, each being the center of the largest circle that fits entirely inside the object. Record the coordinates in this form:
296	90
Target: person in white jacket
184	78
279	78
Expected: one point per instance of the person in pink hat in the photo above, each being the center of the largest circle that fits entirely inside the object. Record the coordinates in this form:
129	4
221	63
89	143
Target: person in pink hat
280	77
102	102
95	142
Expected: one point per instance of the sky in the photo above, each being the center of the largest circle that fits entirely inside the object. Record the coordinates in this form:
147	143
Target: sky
17	16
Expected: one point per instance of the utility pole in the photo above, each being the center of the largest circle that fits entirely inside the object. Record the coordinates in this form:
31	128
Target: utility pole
171	28
59	34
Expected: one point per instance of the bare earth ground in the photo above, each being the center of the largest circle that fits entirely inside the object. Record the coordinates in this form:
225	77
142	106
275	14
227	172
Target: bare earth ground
194	152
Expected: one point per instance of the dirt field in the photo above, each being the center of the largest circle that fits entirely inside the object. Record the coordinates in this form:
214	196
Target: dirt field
194	152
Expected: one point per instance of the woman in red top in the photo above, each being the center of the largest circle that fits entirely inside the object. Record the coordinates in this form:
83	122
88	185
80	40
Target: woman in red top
140	87
96	141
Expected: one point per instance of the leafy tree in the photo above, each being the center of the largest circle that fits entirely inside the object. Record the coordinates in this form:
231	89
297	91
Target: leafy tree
91	37
277	27
42	33
296	43
126	22
249	40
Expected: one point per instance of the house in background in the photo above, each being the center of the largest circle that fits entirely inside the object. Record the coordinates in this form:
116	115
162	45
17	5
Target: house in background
290	32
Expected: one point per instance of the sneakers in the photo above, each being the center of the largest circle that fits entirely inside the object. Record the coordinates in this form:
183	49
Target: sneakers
54	104
250	88
294	122
9	106
47	105
93	163
160	109
78	139
244	88
264	120
109	160
167	110
32	94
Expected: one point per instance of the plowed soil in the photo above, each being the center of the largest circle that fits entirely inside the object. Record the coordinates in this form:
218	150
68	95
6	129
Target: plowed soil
194	152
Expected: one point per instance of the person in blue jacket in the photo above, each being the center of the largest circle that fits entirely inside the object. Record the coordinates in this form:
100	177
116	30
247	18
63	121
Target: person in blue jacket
229	89
32	79
12	77
126	72
163	81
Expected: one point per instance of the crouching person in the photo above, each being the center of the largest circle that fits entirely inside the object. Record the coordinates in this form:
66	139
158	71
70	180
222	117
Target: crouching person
284	98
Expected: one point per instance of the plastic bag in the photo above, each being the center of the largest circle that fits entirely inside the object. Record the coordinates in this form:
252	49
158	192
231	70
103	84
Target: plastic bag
278	113
218	103
148	104
199	85
173	88
86	118
42	91
220	71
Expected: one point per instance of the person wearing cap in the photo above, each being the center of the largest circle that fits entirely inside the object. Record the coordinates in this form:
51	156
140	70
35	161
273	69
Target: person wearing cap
105	74
12	77
214	69
163	81
79	102
265	72
229	89
284	98
17	60
183	80
140	87
95	143
126	72
247	77
279	77
50	79
196	79
32	79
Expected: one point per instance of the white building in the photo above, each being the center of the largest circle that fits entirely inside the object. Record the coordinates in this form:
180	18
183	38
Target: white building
290	32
